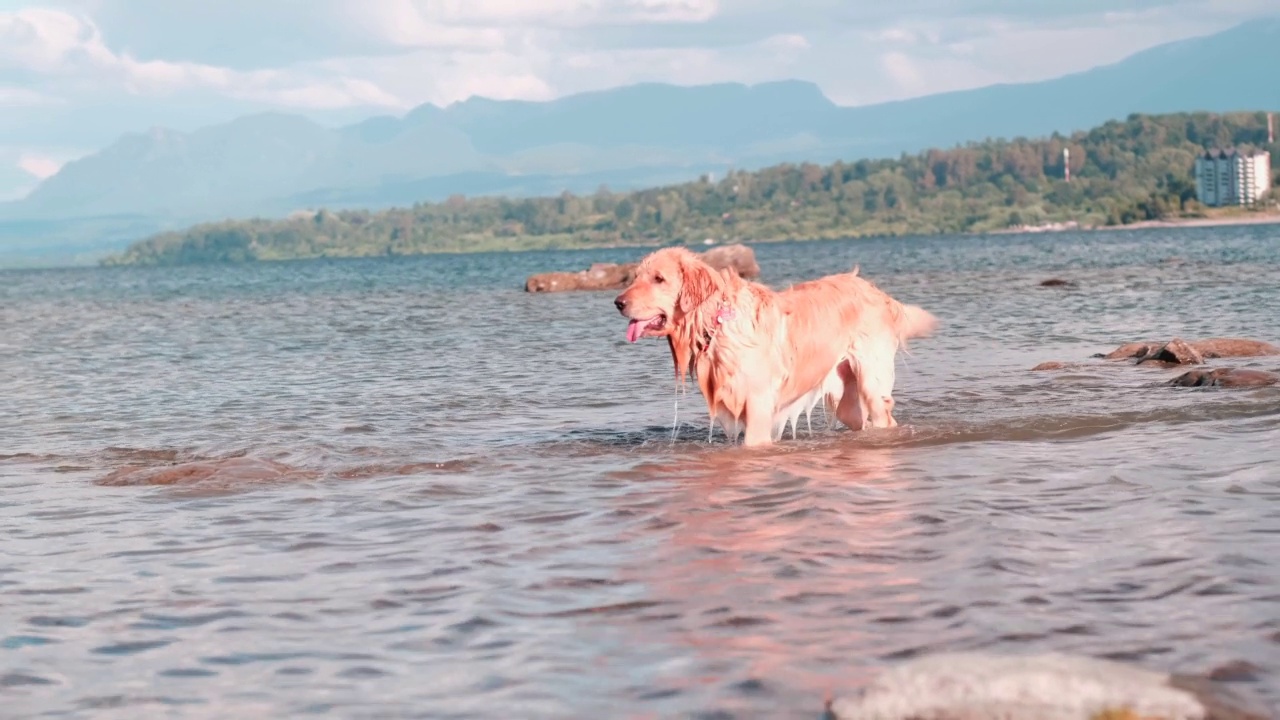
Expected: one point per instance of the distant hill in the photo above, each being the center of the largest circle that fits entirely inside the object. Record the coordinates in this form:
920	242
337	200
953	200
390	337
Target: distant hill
1121	172
272	164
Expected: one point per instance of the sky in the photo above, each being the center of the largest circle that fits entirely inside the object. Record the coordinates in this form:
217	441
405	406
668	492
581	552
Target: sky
76	74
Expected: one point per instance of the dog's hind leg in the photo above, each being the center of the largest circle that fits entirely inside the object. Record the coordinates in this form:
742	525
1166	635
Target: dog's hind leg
850	408
875	380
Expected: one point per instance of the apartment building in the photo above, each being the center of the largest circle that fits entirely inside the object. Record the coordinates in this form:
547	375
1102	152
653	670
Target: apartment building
1232	177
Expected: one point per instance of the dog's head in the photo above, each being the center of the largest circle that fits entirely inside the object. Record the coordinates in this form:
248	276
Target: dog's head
669	285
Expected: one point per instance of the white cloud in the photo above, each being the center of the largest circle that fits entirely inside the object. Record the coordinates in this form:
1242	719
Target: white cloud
563	13
896	35
403	24
38	166
923	55
902	71
44	40
63	47
786	42
775	57
22	168
452	75
22	97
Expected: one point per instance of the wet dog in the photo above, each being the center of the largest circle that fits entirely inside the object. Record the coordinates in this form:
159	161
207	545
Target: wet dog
763	357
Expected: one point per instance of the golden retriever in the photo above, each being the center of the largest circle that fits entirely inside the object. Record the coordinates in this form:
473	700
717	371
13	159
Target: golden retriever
763	357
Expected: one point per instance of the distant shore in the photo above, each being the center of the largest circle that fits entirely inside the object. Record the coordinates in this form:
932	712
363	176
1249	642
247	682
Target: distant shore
1255	218
1252	218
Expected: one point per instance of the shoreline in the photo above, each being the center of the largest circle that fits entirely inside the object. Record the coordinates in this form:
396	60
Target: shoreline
1250	219
1253	218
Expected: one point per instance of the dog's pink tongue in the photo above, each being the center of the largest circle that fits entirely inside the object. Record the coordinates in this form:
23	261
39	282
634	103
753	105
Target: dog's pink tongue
635	329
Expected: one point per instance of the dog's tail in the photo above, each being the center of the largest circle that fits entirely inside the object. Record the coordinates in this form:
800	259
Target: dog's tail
915	322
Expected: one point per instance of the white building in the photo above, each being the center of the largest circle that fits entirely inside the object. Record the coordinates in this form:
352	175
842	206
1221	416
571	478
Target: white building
1230	177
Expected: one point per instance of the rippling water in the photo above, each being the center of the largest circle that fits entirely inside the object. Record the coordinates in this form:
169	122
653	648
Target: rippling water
453	499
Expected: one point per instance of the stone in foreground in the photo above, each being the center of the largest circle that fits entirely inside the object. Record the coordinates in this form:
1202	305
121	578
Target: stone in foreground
608	276
971	686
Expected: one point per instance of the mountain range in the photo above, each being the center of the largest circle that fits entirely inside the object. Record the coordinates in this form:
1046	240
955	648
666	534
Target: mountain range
640	135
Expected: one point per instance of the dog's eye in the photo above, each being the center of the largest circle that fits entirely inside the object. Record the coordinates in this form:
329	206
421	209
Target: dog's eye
659	279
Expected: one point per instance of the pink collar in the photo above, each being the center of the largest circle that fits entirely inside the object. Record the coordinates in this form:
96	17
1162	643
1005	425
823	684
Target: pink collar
724	314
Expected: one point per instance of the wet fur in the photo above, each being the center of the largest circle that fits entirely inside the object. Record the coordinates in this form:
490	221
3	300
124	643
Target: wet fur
830	341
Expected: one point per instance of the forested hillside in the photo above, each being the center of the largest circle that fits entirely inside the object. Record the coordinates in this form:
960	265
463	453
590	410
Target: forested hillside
1121	172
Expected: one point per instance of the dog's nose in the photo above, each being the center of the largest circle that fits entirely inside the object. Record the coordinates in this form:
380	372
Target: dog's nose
620	303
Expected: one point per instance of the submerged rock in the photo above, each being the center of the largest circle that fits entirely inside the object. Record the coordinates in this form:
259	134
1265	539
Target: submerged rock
1056	282
609	276
972	686
1236	671
1226	378
226	471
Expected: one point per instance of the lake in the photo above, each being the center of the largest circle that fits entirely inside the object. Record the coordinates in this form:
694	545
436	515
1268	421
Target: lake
451	499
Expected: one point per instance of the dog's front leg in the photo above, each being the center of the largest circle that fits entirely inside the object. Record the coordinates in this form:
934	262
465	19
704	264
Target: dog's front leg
760	409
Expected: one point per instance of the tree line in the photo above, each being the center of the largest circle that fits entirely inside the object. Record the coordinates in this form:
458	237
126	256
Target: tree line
1124	171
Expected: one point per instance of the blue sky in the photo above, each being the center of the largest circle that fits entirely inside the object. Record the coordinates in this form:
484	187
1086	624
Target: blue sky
75	74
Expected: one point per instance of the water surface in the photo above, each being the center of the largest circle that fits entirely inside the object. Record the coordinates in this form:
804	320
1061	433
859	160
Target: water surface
477	508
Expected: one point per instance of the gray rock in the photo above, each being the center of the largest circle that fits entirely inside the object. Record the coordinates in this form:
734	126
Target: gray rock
970	686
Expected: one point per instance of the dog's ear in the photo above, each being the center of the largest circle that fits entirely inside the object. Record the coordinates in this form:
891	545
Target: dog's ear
698	283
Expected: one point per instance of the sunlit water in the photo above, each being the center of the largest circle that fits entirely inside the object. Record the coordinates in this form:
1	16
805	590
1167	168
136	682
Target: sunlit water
481	512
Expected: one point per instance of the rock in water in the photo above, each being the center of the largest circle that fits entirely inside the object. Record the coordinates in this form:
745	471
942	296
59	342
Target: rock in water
1234	347
1211	348
553	282
738	257
971	686
608	276
1226	378
1175	352
1132	351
